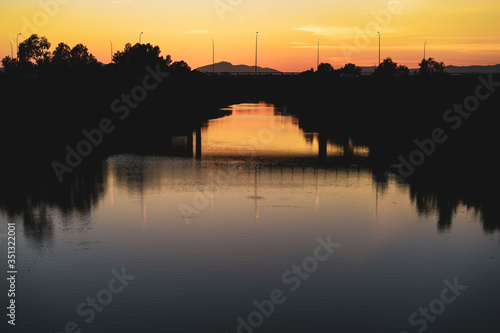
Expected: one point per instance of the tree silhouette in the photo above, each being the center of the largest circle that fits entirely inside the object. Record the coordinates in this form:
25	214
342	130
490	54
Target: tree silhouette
431	67
136	58
325	68
80	56
34	50
9	63
390	68
180	67
61	54
350	70
35	57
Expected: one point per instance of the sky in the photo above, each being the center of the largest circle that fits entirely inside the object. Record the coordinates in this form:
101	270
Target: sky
459	32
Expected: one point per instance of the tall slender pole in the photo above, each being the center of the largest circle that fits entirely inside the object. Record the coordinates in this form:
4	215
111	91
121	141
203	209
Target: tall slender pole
378	32
140	38
11	50
425	45
110	42
17	42
213	57
318	55
256	45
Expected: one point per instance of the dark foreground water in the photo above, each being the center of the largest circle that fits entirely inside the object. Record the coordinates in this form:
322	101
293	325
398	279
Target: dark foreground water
253	236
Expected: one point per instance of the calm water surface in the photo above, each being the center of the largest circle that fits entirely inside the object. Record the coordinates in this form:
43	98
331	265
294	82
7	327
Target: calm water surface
204	239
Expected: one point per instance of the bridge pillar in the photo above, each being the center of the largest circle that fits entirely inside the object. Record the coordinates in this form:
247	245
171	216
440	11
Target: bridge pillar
198	142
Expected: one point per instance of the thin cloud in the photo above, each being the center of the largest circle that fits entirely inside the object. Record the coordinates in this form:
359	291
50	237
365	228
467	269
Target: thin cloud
197	31
323	47
324	31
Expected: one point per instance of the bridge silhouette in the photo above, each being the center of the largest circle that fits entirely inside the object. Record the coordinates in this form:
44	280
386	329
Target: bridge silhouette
189	143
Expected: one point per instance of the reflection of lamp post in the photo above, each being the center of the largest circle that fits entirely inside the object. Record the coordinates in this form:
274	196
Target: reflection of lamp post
17	42
213	57
11	50
425	45
378	32
256	43
110	42
256	198
140	37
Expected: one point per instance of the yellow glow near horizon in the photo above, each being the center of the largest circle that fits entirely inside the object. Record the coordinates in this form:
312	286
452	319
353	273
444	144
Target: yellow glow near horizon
459	32
255	129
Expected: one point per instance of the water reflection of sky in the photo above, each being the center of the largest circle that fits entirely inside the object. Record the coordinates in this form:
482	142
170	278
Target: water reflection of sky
265	130
207	237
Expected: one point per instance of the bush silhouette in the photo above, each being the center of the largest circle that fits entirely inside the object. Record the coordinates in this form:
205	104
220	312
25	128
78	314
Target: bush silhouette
134	59
389	68
431	67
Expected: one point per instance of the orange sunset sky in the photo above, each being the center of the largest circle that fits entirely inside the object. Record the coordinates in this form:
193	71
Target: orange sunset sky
459	32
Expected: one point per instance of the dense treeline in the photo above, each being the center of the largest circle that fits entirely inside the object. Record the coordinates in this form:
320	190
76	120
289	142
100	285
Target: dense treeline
34	58
61	95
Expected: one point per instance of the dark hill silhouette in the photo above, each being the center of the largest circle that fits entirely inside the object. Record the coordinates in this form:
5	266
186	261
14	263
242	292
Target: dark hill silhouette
228	67
495	69
225	66
472	69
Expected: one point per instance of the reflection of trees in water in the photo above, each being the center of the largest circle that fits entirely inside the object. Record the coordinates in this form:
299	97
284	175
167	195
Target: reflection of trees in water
447	195
446	183
39	201
135	173
430	201
38	225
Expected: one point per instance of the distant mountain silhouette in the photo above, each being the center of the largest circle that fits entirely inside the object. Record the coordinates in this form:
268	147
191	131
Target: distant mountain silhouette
452	69
472	69
225	66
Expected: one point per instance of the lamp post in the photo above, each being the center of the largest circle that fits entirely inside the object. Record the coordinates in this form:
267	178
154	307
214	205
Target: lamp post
17	42
256	45
425	45
110	42
213	57
140	37
318	56
378	32
11	50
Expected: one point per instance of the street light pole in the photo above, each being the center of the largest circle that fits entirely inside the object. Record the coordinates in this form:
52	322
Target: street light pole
17	42
378	32
11	50
140	37
256	45
425	45
110	42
